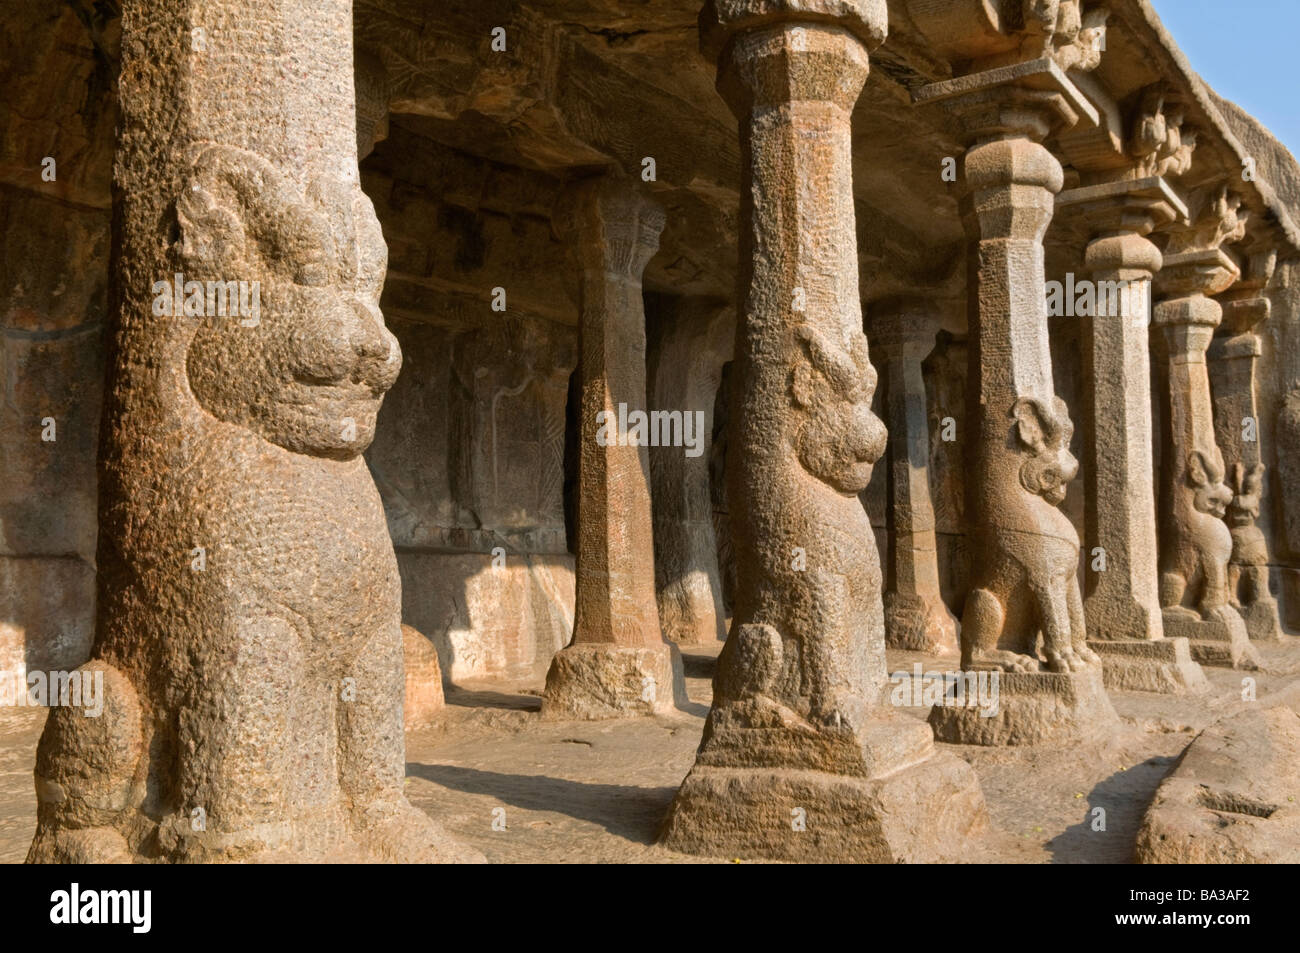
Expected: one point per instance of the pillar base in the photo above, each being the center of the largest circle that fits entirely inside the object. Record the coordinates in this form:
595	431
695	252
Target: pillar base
918	806
1220	641
1032	708
1262	621
1163	666
914	625
592	681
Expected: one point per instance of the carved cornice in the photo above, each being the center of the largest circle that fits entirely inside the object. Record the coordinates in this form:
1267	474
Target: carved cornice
1159	139
1195	261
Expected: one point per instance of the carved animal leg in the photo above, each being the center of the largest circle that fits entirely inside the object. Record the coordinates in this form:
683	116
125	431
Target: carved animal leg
235	739
86	765
1173	586
1078	624
1054	615
95	845
981	627
1214	586
372	761
1234	582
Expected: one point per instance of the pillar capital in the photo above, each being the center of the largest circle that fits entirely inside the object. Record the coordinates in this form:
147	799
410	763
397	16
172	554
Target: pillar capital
609	224
1028	100
722	20
1124	207
1195	260
1245	305
814	63
904	326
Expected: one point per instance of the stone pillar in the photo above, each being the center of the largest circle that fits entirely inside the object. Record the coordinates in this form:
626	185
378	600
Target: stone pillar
1233	356
248	641
618	663
695	338
1024	550
1195	543
1122	608
801	759
916	618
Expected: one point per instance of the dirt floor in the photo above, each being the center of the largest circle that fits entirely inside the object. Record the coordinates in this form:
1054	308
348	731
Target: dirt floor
597	791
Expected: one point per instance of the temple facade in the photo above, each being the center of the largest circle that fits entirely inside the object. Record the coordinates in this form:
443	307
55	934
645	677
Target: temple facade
354	350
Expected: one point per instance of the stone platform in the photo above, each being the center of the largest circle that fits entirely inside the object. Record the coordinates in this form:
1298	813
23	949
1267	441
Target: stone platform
1164	666
1032	708
1220	640
918	805
593	680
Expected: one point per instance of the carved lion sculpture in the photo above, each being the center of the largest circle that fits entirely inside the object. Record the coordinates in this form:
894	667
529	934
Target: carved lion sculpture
249	623
804	649
1198	545
1025	580
1247	567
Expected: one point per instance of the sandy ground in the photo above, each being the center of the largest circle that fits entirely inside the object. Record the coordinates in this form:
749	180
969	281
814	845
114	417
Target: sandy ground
597	791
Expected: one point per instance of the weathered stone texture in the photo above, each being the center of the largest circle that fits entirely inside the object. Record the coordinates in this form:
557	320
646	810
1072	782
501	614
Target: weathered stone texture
424	697
915	614
613	231
1231	797
249	623
797	712
1195	543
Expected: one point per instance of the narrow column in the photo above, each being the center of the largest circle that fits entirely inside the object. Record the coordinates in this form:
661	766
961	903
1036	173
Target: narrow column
798	730
903	333
1233	356
1195	543
248	635
695	339
1122	607
1024	550
618	663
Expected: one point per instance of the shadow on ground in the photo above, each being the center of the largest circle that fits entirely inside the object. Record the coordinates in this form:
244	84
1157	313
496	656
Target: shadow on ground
632	813
1124	797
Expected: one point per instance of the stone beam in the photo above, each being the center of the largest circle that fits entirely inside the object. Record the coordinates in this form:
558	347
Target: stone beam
564	105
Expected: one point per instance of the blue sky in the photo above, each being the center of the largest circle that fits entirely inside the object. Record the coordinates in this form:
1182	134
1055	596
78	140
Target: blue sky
1247	50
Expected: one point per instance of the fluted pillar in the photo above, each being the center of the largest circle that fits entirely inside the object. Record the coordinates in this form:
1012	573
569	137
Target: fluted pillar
618	662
